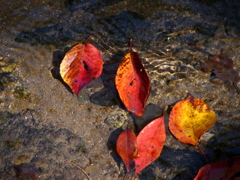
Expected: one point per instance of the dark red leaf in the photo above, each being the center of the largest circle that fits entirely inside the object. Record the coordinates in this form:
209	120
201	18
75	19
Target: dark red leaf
126	147
224	170
220	65
29	172
80	66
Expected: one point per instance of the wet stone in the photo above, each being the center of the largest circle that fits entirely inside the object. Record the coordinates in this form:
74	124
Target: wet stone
6	66
21	93
116	118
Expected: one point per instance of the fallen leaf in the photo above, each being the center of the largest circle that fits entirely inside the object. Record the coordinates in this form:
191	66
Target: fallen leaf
234	168
132	83
224	170
150	142
81	65
220	65
29	172
190	118
126	147
143	149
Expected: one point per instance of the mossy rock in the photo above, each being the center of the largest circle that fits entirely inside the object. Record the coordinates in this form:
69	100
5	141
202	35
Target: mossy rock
22	159
6	66
13	144
21	93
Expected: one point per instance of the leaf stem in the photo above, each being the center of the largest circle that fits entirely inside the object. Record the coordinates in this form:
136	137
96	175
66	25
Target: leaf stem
80	169
130	45
88	38
202	152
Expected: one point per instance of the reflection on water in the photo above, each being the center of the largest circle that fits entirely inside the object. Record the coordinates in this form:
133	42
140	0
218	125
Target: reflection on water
32	31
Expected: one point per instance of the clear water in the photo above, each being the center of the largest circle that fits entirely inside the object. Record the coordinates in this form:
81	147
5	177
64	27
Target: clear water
51	126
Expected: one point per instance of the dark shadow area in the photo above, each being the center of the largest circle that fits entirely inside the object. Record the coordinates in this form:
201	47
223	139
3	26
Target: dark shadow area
184	167
56	61
232	26
104	97
149	175
225	144
47	35
236	176
193	160
108	96
151	112
74	5
111	145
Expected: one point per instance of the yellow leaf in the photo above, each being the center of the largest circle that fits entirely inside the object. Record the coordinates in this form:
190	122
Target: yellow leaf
190	118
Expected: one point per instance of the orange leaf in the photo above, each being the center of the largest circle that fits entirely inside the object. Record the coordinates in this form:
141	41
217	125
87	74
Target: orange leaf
190	118
132	83
150	143
220	170
80	66
126	147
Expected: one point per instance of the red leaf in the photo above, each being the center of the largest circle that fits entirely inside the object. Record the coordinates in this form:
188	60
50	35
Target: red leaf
132	83
220	170
126	147
150	143
80	66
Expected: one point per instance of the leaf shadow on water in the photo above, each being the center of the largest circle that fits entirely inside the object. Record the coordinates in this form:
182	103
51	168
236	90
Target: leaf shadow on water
46	35
151	112
56	61
111	145
184	163
225	144
174	164
108	96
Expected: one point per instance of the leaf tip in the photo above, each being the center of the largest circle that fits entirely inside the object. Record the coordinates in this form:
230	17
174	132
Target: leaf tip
190	97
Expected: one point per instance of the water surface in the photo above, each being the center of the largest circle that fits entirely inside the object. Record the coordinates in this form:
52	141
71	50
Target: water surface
44	125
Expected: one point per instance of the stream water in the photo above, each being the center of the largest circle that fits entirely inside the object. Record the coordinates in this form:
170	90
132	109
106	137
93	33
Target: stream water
43	125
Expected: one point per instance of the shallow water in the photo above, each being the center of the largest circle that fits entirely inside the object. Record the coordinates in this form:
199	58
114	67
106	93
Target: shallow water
44	125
